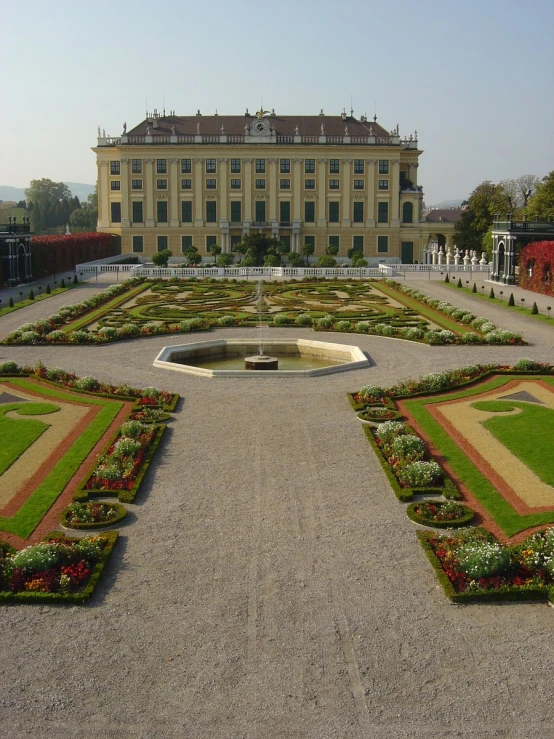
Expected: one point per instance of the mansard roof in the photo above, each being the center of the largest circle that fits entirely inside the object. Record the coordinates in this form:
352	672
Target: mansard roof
284	125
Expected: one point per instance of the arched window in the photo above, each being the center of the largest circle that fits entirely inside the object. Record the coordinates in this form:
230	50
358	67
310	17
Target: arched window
547	273
407	213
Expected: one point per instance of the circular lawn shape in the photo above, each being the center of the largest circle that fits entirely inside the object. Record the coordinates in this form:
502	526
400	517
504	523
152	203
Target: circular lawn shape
440	514
92	515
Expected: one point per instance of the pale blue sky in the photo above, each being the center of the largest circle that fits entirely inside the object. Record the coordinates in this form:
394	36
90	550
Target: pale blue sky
474	78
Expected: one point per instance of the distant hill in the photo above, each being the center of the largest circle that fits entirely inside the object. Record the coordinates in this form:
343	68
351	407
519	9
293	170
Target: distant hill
80	189
446	204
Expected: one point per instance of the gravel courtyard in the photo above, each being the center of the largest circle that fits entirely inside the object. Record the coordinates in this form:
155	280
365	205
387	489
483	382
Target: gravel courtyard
268	583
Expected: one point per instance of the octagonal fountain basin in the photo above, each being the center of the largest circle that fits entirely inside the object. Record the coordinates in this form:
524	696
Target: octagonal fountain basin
294	358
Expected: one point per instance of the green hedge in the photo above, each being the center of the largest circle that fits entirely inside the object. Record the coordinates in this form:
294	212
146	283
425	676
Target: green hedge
462	521
121	515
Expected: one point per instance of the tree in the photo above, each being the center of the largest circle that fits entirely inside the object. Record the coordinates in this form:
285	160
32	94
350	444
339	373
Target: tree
307	250
326	260
256	247
332	250
241	249
541	204
486	201
215	251
272	260
192	256
51	204
224	260
161	258
296	260
84	218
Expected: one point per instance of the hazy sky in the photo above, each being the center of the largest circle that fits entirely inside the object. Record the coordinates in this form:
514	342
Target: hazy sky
476	79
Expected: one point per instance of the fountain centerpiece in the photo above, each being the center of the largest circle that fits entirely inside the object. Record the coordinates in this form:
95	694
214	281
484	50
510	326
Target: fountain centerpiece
260	361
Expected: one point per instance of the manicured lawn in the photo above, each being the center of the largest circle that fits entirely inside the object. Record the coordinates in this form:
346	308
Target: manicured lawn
19	434
528	451
37	504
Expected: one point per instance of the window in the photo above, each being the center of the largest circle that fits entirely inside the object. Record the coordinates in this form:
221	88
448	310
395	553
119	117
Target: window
309	241
407	213
284	166
358	166
334	212
138	244
186	243
235	166
161	211
358	184
259	211
210	166
260	166
186	166
116	212
284	211
285	240
115	168
236	211
210	241
358	214
260	185
211	184
358	244
137	211
309	184
161	184
136	166
211	211
115	185
235	241
382	212
383	166
334	184
309	211
382	244
334	241
334	166
309	166
162	243
284	184
403	177
186	211
161	166
186	184
136	184
236	184
383	184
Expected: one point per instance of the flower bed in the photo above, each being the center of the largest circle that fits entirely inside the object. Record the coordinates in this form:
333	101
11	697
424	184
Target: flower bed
58	570
440	514
472	566
377	414
92	515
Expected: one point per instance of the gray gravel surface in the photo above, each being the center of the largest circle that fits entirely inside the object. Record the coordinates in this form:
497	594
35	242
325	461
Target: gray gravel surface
269	584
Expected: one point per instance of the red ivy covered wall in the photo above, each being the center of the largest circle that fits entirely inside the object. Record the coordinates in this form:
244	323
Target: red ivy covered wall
536	263
60	253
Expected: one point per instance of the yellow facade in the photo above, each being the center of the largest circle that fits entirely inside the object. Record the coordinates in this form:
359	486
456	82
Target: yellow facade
174	185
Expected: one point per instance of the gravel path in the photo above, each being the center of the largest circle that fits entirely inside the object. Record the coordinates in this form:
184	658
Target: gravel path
270	584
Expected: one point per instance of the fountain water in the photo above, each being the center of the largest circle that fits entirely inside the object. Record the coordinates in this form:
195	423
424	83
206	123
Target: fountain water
261	361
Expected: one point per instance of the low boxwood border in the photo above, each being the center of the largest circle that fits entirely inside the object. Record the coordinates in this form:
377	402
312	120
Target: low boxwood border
121	515
455	523
524	593
67	598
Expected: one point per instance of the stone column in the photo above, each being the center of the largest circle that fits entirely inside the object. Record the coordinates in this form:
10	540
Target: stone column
247	215
370	218
346	184
223	189
395	192
174	194
103	200
198	190
296	190
149	182
322	193
125	222
273	215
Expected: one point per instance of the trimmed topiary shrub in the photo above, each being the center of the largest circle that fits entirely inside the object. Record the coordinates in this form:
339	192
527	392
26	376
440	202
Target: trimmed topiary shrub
534	309
491	294
511	301
459	283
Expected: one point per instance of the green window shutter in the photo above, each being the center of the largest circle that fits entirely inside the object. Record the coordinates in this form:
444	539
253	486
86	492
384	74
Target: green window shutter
383	213
382	244
186	243
162	243
116	213
186	211
211	211
137	212
358	212
358	244
236	211
138	244
309	211
162	211
260	211
334	215
284	211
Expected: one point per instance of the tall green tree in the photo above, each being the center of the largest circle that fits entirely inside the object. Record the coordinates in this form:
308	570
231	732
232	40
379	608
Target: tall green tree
258	247
486	201
51	204
541	204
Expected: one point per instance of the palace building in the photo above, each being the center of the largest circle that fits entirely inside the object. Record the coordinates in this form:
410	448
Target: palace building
175	181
